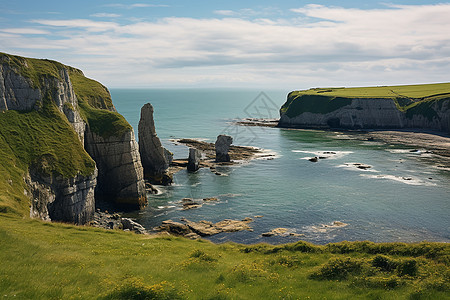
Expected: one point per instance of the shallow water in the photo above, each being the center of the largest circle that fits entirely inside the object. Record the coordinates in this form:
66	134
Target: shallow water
402	197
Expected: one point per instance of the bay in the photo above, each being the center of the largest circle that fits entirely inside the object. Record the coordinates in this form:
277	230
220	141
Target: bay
402	197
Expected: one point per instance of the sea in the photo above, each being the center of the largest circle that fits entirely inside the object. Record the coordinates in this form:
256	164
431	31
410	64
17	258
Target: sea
403	197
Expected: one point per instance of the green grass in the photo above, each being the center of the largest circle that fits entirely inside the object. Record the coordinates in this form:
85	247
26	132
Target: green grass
437	90
410	99
43	140
90	91
53	261
103	122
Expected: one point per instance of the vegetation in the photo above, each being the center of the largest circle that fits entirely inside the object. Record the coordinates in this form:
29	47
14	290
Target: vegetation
410	99
53	261
90	91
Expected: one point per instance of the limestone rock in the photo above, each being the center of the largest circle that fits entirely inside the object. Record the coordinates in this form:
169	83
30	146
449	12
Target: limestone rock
205	228
121	177
222	147
194	160
56	198
155	159
133	226
174	228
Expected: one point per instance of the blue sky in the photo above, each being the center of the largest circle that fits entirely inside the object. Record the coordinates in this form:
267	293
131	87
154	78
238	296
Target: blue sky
257	44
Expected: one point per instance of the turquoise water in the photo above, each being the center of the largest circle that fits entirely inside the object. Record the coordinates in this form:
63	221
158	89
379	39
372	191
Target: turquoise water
289	191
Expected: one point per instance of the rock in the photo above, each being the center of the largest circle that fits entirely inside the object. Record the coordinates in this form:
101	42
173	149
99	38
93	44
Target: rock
155	159
62	199
359	166
133	226
151	189
194	160
210	199
222	147
192	236
276	231
121	177
174	228
205	228
314	159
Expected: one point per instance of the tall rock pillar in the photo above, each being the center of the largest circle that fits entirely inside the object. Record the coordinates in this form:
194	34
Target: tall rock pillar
153	155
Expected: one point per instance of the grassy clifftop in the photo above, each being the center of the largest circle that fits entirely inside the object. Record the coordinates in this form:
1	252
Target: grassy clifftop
413	98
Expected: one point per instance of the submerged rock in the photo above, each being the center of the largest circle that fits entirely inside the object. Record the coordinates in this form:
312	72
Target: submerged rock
155	159
222	147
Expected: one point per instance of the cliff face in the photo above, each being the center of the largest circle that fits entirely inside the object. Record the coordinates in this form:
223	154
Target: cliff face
59	188
121	176
62	199
317	111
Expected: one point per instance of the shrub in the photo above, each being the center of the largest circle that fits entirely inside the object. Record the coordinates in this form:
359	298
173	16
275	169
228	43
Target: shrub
407	268
338	269
134	289
384	263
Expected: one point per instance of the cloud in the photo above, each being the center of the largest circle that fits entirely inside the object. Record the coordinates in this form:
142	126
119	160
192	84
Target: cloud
24	31
321	46
105	15
135	5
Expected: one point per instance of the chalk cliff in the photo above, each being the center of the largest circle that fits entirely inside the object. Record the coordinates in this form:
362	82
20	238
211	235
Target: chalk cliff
316	109
62	186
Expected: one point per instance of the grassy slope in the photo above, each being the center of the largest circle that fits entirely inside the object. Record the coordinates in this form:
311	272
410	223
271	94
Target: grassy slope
51	261
412	99
95	104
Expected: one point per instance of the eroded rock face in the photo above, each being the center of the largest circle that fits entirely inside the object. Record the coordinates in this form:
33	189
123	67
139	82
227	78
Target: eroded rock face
194	160
155	159
222	146
371	113
62	199
121	177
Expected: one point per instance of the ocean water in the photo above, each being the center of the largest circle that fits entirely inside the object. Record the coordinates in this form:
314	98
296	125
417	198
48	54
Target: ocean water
403	197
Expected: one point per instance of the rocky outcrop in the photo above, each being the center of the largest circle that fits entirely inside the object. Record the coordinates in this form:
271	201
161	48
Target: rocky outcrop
194	160
121	177
31	84
62	199
372	113
222	146
18	93
155	159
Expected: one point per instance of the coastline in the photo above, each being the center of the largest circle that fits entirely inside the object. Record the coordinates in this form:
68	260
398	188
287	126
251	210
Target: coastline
438	143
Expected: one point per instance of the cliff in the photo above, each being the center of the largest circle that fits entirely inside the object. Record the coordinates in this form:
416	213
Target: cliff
394	107
49	114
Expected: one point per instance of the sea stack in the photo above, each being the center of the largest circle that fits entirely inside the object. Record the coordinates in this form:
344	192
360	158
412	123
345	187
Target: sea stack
153	155
222	146
194	160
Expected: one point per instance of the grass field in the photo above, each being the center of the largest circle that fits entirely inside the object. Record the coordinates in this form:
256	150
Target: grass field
55	261
409	99
436	91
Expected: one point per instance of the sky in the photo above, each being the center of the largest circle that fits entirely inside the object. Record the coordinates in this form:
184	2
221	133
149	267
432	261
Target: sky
246	44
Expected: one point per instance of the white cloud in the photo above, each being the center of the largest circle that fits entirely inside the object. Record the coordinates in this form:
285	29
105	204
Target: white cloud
135	5
324	46
105	15
24	31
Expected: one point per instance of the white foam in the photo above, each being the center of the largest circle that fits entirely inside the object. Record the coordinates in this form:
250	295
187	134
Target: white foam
403	179
328	154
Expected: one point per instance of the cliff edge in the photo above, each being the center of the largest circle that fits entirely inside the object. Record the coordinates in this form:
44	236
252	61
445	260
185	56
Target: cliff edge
49	114
389	107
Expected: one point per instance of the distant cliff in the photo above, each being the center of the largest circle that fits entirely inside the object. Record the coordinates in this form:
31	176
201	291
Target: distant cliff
61	143
394	107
